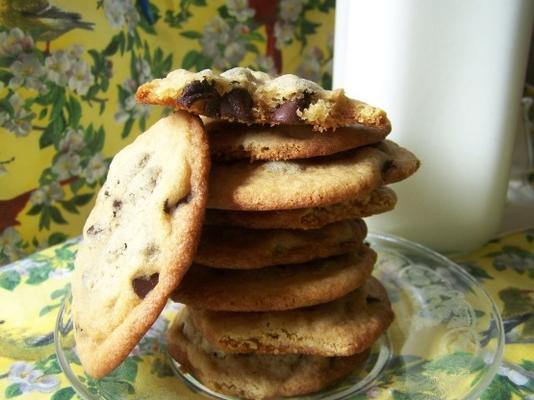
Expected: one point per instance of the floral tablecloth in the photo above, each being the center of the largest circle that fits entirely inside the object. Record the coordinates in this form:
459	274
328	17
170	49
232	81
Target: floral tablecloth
33	289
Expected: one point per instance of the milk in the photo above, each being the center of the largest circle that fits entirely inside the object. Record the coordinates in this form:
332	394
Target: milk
450	75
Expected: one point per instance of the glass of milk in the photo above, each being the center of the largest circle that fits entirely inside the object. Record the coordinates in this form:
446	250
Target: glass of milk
450	75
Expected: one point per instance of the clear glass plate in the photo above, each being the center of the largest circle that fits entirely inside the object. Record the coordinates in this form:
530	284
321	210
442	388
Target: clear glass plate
446	341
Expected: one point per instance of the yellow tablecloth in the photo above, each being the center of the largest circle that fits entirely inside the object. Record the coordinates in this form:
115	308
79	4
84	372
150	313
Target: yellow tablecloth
32	290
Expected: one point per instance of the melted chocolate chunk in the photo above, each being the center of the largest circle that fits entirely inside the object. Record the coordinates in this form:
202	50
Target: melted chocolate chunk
237	104
286	113
202	96
371	300
143	285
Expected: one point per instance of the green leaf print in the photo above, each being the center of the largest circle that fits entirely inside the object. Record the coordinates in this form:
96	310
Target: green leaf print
65	393
499	389
47	309
49	365
191	34
9	280
455	363
12	390
38	274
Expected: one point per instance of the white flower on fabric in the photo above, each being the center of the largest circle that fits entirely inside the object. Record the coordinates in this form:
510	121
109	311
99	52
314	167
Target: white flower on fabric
216	35
14	42
47	194
59	273
96	168
266	64
20	122
120	13
310	68
72	142
240	9
10	242
31	379
75	52
283	33
129	85
290	9
234	52
67	165
143	70
58	67
81	78
27	71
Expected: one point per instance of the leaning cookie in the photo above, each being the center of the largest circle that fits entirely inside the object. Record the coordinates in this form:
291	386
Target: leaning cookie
232	141
125	269
255	376
242	248
247	96
281	287
314	182
346	326
379	201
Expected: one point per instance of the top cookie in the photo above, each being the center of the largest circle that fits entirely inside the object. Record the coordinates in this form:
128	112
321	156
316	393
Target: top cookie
247	96
139	239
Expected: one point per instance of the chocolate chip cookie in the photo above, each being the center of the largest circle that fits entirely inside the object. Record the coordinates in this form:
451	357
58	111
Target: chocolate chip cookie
232	141
242	248
247	96
378	201
343	327
255	376
281	287
154	195
313	182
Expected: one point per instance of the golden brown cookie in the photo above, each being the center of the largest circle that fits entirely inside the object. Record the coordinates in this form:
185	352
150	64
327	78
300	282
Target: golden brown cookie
343	327
233	141
378	201
314	182
247	96
281	287
252	376
242	248
154	195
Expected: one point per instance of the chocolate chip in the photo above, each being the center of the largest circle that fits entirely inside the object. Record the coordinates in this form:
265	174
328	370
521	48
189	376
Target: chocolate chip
286	113
237	104
93	230
169	208
117	204
202	97
150	250
106	193
142	162
371	300
143	285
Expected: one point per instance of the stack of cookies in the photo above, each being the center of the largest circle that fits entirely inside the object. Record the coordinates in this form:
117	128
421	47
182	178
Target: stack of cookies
280	300
252	218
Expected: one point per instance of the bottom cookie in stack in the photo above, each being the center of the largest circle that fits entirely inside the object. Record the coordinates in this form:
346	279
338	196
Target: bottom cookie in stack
260	355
